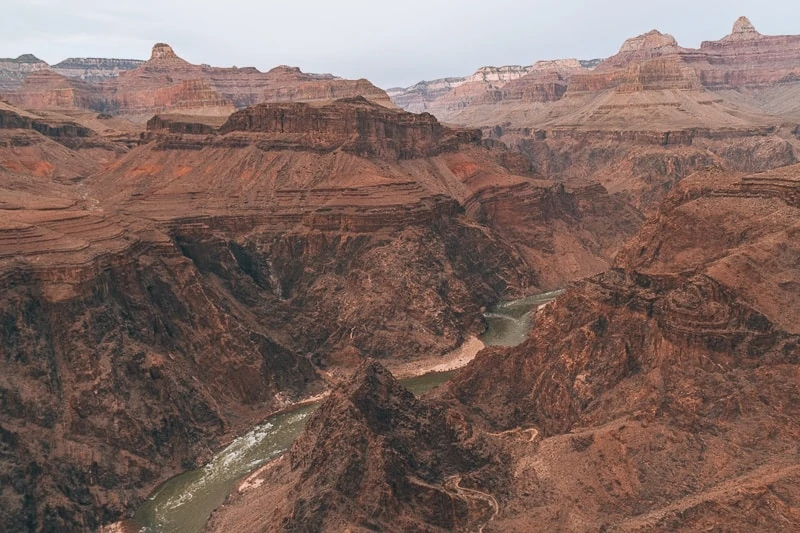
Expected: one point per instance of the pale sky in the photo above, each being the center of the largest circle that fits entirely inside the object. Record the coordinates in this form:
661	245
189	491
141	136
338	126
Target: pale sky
389	43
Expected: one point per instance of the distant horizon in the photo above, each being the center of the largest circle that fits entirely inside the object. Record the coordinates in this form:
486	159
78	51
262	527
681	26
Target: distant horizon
360	43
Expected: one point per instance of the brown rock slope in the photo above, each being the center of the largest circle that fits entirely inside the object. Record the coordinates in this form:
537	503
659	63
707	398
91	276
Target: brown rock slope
359	466
666	389
198	282
52	146
660	395
121	364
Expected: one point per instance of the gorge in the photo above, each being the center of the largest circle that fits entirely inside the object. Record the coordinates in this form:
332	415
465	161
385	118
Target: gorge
248	279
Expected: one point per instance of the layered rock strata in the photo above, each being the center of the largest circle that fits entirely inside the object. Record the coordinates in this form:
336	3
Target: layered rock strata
658	395
168	84
14	71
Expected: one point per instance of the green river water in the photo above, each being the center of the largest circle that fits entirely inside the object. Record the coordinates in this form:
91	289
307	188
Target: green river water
183	503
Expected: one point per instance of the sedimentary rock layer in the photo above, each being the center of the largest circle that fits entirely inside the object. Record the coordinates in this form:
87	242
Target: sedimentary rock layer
658	395
168	84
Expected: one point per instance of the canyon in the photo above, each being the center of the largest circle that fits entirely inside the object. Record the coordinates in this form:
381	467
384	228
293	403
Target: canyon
658	395
228	270
186	250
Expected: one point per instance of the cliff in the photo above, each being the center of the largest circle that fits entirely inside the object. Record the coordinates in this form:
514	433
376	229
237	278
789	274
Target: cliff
203	289
14	71
359	464
94	69
167	83
657	395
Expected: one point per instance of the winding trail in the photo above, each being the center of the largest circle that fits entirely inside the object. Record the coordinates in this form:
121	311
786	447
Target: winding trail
533	433
453	484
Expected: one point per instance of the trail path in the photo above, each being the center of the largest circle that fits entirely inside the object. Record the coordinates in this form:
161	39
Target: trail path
533	433
453	483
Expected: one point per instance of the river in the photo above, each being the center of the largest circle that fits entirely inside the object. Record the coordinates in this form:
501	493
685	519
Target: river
183	503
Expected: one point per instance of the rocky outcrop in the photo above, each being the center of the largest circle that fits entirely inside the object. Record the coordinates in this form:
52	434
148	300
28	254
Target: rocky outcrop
109	384
359	464
94	69
202	289
14	71
743	30
11	118
448	97
185	124
658	395
167	83
45	89
673	368
50	146
745	59
643	166
355	125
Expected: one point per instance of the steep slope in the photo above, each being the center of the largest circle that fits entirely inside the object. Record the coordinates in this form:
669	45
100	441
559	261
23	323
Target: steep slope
51	146
203	279
108	382
668	381
652	114
660	395
358	466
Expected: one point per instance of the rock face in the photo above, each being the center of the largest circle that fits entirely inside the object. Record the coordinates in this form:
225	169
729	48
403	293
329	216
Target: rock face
359	464
108	382
201	280
648	116
743	30
667	380
449	97
14	71
168	84
378	131
94	69
744	60
659	395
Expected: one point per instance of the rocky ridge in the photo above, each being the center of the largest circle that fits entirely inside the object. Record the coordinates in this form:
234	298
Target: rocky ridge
14	71
446	97
210	274
167	83
94	69
358	466
653	113
658	395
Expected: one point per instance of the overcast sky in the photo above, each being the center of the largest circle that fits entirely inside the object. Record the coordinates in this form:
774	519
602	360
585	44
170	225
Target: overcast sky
390	43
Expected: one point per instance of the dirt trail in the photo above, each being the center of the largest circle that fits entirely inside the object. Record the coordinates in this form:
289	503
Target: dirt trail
453	484
533	433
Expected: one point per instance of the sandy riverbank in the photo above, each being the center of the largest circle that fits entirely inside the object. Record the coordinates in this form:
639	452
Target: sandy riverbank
454	360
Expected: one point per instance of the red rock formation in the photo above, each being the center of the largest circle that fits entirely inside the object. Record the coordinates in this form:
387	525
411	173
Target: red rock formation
359	464
354	125
168	84
98	311
185	284
660	395
745	59
727	102
14	71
